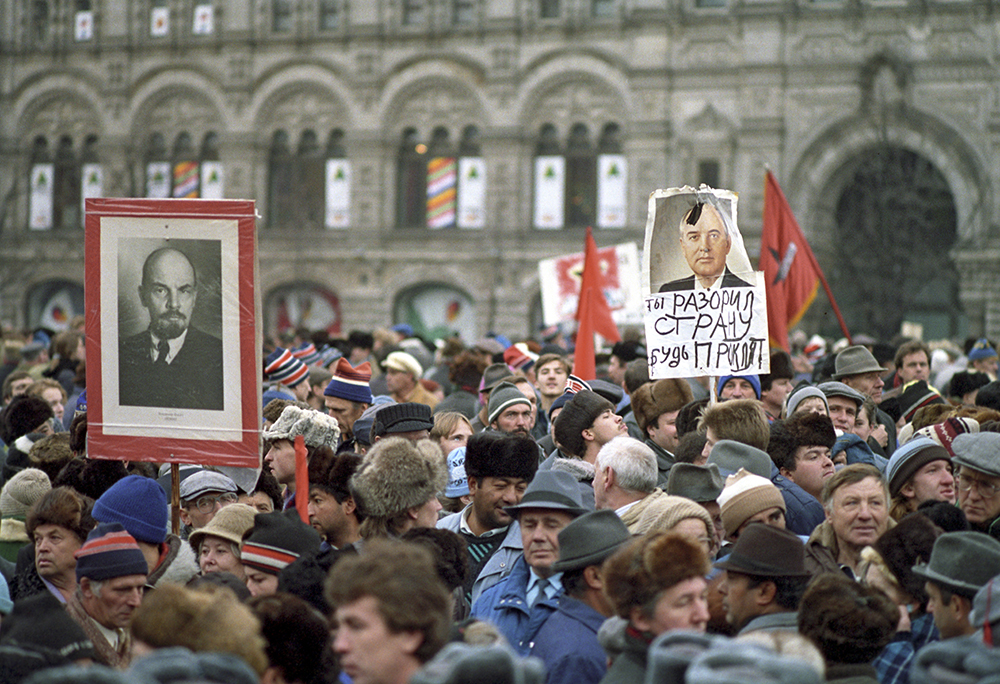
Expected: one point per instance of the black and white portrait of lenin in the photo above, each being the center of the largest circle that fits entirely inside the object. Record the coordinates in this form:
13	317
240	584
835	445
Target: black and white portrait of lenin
170	364
706	240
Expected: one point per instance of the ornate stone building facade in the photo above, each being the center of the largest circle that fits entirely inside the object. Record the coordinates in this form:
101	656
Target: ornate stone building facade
330	113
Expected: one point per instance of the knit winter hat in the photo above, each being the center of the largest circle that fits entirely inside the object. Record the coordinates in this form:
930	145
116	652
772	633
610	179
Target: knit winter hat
281	367
946	432
22	491
653	399
982	349
276	540
502	398
350	383
494	454
397	474
665	511
746	495
317	429
231	523
800	394
408	416
458	481
910	458
306	353
915	395
752	379
109	552
137	503
519	357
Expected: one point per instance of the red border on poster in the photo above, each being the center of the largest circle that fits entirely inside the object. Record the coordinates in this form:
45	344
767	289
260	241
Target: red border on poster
170	443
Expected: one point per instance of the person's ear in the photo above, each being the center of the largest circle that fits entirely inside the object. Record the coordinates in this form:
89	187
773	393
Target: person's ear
639	620
593	578
85	589
766	591
349	505
185	518
473	485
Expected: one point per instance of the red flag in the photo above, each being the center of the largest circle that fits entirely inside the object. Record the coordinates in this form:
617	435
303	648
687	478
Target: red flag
301	479
791	275
592	313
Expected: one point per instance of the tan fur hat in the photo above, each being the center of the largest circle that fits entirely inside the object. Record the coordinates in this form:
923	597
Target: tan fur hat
654	399
397	475
317	429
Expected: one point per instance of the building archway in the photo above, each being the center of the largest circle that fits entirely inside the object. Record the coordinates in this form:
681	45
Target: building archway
436	310
896	223
302	305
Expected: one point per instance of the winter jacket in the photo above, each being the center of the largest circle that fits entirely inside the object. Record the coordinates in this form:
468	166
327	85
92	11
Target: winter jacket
505	605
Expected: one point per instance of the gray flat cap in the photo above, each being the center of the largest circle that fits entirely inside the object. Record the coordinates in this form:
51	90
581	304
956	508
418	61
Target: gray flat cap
839	389
979	451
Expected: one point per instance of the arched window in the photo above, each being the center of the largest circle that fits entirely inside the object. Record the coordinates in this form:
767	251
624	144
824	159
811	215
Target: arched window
280	181
60	181
66	191
581	177
297	181
411	180
159	175
338	182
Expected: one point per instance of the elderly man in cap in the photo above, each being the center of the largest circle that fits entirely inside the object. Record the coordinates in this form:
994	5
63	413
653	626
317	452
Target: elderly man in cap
567	642
111	576
498	469
919	471
202	495
509	410
857	368
765	578
402	376
978	459
317	430
139	504
961	563
656	405
519	604
409	420
346	397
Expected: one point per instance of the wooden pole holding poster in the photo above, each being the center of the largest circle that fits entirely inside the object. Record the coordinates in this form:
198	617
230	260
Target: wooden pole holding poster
175	498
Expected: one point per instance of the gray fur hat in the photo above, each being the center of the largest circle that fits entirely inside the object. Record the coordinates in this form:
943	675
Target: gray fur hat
317	429
397	474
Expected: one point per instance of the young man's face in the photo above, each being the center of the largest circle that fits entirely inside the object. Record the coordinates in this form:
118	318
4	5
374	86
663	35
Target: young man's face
550	379
915	366
369	652
261	583
607	426
812	467
326	516
932	481
843	413
281	459
780	389
663	431
516	419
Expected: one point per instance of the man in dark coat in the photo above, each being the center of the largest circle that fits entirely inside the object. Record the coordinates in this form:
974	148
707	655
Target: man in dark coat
171	364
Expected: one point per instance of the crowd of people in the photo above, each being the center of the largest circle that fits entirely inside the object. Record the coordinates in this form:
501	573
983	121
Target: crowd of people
436	511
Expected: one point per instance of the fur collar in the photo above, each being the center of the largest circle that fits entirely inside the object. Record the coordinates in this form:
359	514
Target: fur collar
582	470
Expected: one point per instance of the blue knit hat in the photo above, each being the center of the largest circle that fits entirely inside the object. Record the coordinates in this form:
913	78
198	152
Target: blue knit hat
350	383
110	552
281	367
139	504
752	379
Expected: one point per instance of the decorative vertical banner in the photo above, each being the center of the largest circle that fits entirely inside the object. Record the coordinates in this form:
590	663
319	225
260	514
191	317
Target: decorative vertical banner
83	26
550	191
41	196
338	193
212	180
158	179
441	192
159	22
612	179
186	179
204	20
471	192
92	185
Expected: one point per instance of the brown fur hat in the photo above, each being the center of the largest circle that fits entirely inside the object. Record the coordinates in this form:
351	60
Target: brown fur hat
397	475
654	399
653	563
65	507
332	472
907	544
51	453
849	622
811	429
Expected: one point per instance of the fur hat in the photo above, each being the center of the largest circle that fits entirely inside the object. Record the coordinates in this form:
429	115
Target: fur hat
51	453
653	399
139	505
502	397
65	507
396	475
276	539
493	454
746	495
24	414
317	429
905	545
811	429
332	472
22	491
637	573
109	552
578	414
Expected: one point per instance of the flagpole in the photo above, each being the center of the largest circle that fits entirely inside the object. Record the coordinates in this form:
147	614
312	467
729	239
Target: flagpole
819	272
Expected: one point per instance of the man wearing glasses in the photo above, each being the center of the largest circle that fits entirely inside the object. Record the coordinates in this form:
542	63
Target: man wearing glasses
978	459
202	495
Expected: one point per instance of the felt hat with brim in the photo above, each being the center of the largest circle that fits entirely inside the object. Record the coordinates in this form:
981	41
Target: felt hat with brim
231	523
590	539
855	361
962	562
979	451
551	489
698	483
767	551
729	456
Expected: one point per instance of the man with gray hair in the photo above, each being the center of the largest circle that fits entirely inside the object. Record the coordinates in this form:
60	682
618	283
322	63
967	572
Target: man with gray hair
625	476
